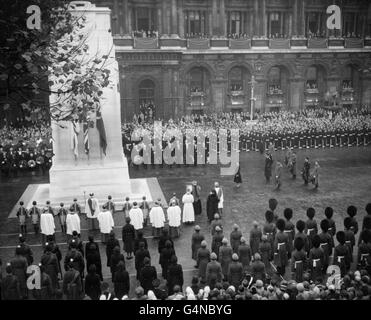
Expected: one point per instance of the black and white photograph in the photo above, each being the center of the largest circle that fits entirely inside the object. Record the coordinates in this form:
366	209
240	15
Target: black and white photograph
204	150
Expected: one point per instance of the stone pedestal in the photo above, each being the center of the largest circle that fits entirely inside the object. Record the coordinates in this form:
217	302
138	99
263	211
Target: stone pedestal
102	174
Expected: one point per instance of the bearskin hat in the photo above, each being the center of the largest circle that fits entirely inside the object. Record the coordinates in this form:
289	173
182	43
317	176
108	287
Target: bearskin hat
340	237
325	225
351	211
280	224
329	212
299	243
316	241
272	204
310	213
287	213
368	208
300	225
269	216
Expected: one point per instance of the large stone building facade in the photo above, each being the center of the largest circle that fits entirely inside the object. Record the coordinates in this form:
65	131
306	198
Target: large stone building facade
187	56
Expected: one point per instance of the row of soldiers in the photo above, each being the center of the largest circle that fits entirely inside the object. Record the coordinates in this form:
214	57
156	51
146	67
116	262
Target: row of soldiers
19	161
311	247
257	141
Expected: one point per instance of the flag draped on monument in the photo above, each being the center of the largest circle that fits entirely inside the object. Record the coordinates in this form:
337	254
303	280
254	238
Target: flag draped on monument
102	131
86	136
74	141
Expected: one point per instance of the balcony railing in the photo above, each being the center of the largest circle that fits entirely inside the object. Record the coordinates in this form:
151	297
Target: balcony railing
240	43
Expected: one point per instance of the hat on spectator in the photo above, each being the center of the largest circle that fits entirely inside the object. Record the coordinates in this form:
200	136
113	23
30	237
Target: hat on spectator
213	256
259	283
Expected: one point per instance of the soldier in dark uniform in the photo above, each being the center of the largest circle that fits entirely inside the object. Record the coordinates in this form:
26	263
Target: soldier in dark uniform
281	245
298	260
306	171
34	213
268	167
22	216
62	215
342	256
316	259
311	225
326	243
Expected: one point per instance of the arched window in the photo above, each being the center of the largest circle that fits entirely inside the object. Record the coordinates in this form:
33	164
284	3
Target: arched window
277	80
236	79
146	92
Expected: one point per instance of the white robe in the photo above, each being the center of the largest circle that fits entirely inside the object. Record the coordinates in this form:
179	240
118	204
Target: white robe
95	206
188	211
157	217
174	215
106	222
47	225
221	198
136	218
73	223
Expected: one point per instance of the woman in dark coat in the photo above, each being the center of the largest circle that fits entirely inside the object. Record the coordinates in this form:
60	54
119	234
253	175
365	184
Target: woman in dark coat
165	257
93	257
203	258
212	205
147	275
237	177
139	238
19	267
111	244
92	283
116	257
121	281
174	275
128	236
50	263
140	255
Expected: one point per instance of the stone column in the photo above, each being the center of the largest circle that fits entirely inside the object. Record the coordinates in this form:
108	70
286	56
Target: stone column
180	19
218	92
255	17
365	97
116	24
125	16
295	18
263	18
296	93
129	14
222	19
260	93
174	18
301	18
159	21
165	28
215	18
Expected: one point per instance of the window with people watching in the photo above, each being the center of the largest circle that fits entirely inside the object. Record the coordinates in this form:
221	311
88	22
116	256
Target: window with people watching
144	21
236	23
195	23
277	27
351	24
315	24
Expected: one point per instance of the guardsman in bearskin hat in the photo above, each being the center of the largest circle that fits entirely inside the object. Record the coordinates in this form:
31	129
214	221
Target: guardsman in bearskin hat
300	226
350	239
311	225
327	243
329	212
298	260
289	229
352	212
269	229
316	259
281	245
364	251
342	255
